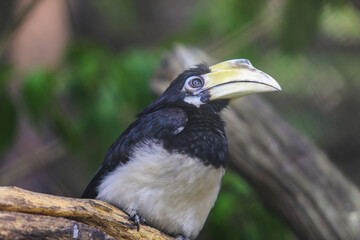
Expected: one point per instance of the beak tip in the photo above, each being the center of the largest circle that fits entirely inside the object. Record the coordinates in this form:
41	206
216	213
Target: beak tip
278	88
274	84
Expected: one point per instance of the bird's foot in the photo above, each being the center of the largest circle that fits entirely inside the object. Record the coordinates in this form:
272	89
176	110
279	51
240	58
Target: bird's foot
179	237
137	219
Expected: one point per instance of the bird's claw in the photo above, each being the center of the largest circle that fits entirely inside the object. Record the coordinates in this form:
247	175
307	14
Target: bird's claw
137	219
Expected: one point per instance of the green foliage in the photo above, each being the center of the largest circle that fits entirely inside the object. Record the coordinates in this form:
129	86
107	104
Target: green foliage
92	98
38	93
238	214
300	24
229	15
106	92
119	16
341	23
213	20
8	116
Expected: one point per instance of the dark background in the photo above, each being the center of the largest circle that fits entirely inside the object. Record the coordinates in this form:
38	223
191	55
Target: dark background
74	73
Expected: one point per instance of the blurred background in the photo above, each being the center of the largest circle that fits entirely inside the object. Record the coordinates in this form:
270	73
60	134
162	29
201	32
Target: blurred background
74	73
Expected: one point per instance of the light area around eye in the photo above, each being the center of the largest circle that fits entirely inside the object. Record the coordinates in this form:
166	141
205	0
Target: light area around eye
190	88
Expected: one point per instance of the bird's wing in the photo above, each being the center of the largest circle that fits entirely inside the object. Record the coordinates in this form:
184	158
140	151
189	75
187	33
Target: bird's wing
163	123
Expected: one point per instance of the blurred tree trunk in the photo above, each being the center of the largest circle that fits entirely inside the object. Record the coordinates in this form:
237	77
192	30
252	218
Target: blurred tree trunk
291	175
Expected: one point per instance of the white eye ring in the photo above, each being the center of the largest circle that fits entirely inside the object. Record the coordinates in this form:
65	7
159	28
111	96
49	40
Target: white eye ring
194	83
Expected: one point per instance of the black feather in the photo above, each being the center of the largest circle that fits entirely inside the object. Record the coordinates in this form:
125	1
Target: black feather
162	124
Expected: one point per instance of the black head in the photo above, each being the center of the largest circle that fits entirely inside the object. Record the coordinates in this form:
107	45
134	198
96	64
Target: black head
184	92
211	88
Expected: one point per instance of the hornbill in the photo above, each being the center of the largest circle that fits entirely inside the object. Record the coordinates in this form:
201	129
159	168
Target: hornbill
167	166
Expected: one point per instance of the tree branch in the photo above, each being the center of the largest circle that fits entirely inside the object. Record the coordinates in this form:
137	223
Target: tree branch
47	216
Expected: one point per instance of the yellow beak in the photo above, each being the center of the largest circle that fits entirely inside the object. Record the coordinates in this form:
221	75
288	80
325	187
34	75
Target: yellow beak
236	78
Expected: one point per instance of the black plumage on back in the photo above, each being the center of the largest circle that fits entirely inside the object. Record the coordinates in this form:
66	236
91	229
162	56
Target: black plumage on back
161	125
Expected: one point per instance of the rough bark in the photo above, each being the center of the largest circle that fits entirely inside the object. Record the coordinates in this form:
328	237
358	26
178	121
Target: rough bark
289	173
30	215
15	225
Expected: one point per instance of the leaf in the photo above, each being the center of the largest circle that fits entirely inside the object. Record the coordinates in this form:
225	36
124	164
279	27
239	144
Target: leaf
300	24
37	92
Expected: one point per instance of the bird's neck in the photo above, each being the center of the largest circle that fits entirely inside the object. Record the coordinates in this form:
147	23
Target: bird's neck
203	137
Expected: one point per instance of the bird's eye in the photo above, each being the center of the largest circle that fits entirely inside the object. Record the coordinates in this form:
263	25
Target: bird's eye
194	83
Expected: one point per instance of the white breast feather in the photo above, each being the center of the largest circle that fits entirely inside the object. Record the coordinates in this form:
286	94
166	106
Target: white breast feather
173	192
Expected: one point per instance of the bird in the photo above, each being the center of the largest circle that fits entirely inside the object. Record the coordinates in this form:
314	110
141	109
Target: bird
166	168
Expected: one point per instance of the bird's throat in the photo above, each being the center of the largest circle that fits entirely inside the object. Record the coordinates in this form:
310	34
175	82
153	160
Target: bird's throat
203	137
